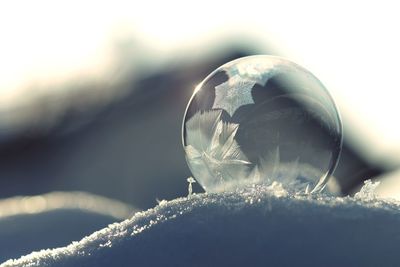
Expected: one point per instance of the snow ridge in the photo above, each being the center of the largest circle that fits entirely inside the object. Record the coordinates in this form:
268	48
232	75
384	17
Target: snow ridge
259	226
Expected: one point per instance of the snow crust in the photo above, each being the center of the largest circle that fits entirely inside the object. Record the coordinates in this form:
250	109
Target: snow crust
260	226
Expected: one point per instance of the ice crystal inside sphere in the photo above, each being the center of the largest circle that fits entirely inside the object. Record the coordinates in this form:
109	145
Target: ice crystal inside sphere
261	119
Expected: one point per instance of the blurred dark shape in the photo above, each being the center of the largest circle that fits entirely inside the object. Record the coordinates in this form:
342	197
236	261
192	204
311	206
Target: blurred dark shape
353	169
53	220
23	234
131	150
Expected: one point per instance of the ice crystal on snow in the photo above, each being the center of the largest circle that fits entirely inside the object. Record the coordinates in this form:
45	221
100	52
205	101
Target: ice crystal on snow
190	180
367	192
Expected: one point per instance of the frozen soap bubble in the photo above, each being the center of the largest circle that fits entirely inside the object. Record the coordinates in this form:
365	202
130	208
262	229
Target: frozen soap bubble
261	119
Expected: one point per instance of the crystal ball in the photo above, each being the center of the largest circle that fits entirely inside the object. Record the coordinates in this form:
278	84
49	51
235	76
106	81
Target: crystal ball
261	120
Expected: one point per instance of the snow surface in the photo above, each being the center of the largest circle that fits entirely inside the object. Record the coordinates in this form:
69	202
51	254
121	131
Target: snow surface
260	226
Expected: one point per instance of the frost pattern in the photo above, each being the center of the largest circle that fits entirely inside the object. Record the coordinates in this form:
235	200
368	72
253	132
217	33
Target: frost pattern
233	94
295	175
215	157
258	71
218	162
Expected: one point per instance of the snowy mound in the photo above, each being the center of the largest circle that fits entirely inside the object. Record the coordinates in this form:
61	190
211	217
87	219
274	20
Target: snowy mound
256	227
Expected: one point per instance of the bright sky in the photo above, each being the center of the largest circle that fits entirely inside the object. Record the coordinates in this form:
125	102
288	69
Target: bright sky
351	46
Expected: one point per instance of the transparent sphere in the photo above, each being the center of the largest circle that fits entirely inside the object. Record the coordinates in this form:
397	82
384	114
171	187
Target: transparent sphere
261	119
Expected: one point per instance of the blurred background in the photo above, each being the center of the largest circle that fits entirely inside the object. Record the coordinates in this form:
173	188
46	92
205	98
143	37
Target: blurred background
92	94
